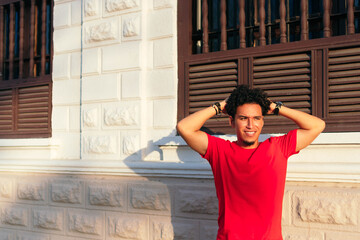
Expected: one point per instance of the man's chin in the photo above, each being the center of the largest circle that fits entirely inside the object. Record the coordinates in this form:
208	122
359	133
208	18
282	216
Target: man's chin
248	143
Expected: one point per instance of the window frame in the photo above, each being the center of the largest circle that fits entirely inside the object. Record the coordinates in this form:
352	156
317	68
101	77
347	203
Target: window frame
31	91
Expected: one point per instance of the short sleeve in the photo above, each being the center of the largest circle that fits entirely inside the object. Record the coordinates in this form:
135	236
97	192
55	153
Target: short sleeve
287	143
213	150
209	151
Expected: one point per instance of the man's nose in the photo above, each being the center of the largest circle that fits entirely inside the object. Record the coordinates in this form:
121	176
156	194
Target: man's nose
250	123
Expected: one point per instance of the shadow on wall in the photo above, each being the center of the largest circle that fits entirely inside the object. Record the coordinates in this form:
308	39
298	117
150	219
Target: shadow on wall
151	202
177	206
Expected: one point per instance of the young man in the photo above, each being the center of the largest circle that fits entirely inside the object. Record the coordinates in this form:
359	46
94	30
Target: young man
249	175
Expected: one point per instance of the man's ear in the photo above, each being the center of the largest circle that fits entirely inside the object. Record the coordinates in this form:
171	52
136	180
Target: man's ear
231	121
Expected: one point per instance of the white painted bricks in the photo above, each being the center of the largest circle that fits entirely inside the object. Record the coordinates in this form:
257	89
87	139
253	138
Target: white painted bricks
114	56
325	208
164	112
67	39
62	16
165	19
48	219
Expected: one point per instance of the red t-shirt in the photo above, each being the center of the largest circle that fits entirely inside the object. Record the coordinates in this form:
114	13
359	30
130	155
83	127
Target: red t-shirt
250	186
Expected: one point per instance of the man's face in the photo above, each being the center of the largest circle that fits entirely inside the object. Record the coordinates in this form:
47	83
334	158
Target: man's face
248	123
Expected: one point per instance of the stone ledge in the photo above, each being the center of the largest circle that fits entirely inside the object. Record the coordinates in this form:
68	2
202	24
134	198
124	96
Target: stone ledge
28	143
300	171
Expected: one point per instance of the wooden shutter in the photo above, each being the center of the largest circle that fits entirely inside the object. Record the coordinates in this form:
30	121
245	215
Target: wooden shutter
6	110
208	83
33	109
25	111
344	82
285	78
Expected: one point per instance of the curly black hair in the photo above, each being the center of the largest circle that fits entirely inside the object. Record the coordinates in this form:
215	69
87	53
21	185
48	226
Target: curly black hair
243	94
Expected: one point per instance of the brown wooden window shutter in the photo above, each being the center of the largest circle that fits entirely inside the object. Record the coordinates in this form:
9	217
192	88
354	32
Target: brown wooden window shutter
25	68
343	96
285	78
303	53
208	83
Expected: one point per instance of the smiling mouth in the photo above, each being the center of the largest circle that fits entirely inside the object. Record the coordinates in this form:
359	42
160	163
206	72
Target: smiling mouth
250	134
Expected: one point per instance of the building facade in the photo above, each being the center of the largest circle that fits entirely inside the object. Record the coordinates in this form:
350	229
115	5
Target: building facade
104	160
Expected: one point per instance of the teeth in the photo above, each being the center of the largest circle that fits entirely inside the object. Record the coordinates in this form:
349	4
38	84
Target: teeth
250	133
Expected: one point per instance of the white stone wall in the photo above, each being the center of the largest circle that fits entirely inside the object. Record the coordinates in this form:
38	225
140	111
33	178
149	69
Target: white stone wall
115	78
65	207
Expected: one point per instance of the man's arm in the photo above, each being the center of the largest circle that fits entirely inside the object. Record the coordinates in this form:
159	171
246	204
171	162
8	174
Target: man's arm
310	126
189	128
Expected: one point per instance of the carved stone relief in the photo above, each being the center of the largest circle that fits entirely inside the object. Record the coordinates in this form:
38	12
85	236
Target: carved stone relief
91	8
131	26
100	144
121	116
106	195
91	118
119	5
85	223
14	216
66	192
127	228
48	219
101	32
131	145
5	188
31	191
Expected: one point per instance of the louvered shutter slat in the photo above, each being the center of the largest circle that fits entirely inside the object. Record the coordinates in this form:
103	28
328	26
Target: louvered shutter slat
276	79
351	59
284	85
288	92
345	101
346	94
212	67
212	73
212	98
349	108
212	79
344	82
212	85
345	87
282	59
272	67
287	72
340	74
346	66
336	81
334	53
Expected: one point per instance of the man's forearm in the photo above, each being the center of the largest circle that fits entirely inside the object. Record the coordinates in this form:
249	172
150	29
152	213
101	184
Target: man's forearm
302	119
196	120
310	126
189	128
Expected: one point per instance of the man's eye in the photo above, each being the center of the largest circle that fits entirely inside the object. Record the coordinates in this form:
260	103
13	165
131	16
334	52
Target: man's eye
243	118
257	118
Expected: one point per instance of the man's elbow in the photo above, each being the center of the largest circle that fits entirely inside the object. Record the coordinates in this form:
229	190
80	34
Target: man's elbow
180	128
321	125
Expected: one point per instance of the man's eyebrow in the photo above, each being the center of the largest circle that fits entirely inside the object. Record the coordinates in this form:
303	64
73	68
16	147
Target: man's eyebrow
249	116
